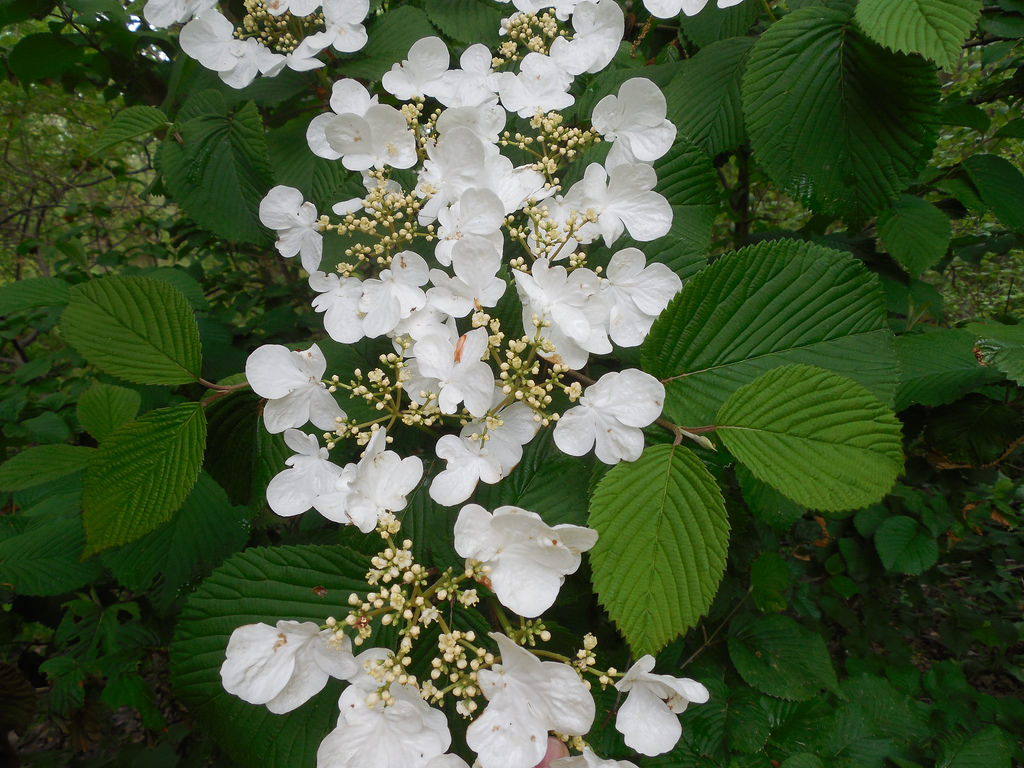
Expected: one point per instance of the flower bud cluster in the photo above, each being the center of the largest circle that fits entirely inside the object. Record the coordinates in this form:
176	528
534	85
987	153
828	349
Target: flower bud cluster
527	33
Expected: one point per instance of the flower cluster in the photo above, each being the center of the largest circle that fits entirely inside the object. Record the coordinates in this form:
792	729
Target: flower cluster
478	193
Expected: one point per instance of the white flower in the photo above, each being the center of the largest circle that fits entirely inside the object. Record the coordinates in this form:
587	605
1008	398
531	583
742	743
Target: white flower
394	294
291	382
665	9
347	97
379	483
647	719
474	456
635	121
478	212
542	85
407	733
470	86
528	559
377	138
163	13
420	74
573	307
476	283
283	210
284	666
623	198
210	39
344	30
293	491
455	371
527	698
599	27
339	299
589	760
636	295
611	414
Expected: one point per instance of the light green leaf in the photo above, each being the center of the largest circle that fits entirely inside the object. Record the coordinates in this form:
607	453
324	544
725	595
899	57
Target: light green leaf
33	292
764	306
467	21
704	98
904	546
301	583
823	440
136	328
939	366
45	559
205	531
104	407
1001	346
41	464
1001	187
915	232
779	657
839	122
933	28
985	749
141	474
130	123
219	171
663	535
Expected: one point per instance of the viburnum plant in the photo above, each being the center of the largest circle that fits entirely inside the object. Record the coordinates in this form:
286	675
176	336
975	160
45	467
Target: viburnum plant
484	249
425	265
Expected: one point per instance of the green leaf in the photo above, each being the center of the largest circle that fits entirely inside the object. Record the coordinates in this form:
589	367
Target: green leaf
205	531
732	720
939	367
839	122
47	427
773	303
985	749
975	430
803	760
41	464
391	36
219	171
766	504
302	583
714	23
824	441
294	165
141	474
779	657
891	714
468	21
1001	346
1001	187
104	407
663	535
130	123
136	328
933	28
704	98
43	55
915	232
17	699
33	292
769	579
45	559
904	546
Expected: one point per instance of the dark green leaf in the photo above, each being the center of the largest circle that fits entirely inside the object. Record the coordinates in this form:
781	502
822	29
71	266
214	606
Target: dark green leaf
136	328
939	367
219	171
43	55
104	407
33	292
933	28
130	123
1002	347
838	121
1001	186
35	466
391	36
304	583
45	559
467	21
779	657
774	303
904	546
141	474
915	232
